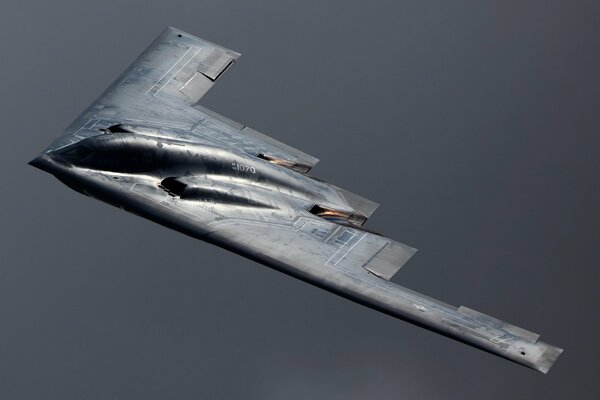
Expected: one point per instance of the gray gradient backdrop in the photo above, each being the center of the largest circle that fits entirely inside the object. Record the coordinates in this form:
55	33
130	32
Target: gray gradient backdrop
474	124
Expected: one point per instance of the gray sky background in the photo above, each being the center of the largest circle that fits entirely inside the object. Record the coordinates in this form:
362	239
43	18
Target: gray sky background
473	123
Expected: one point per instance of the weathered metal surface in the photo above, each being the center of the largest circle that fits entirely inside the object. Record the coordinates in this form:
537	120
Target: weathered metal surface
146	147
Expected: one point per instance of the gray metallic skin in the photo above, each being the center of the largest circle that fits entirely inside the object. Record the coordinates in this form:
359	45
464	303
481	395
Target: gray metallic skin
146	146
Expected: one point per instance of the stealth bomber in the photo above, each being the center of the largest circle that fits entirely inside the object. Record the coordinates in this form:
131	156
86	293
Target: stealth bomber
147	146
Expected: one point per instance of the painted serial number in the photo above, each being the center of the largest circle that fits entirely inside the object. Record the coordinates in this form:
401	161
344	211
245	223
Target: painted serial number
242	168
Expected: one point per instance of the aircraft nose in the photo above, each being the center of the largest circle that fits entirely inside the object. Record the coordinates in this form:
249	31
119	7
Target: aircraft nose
43	162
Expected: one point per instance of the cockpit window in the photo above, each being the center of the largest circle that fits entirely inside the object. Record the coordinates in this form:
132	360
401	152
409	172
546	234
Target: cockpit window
116	157
77	153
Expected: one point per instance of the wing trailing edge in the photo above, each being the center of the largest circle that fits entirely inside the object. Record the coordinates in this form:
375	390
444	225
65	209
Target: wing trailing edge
389	259
272	150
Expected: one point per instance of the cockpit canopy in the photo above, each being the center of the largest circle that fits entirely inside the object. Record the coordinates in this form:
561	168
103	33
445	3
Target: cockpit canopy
119	158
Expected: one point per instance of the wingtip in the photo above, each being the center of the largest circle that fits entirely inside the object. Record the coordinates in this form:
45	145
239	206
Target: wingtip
548	358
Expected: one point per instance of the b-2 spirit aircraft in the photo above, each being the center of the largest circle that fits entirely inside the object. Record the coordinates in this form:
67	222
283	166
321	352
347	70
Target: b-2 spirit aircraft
145	145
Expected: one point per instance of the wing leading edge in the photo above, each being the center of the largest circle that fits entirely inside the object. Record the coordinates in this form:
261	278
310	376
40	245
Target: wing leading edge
161	89
359	267
352	263
347	261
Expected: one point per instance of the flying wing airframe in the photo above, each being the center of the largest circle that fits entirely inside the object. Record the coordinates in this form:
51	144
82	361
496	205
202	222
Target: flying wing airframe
147	146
